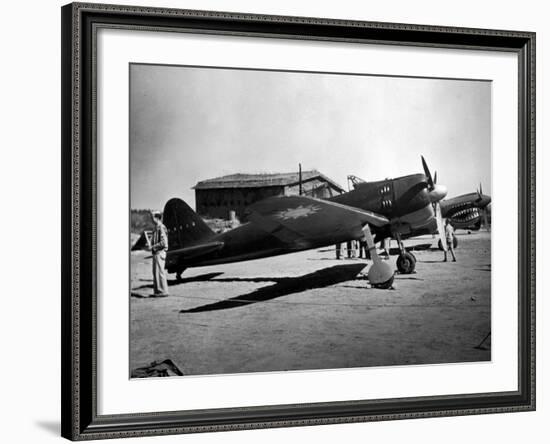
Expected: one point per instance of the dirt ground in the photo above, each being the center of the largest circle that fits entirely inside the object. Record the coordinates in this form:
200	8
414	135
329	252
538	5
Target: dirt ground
310	311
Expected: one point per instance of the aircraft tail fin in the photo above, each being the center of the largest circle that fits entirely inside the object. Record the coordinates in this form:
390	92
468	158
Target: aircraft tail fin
185	227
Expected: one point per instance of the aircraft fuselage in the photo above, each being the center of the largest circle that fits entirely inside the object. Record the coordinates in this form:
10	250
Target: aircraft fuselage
248	242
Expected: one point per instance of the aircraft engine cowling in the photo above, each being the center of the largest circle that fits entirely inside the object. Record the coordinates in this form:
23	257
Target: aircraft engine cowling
411	194
420	218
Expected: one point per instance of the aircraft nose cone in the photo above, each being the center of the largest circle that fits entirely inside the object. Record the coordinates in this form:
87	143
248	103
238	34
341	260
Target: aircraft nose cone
438	193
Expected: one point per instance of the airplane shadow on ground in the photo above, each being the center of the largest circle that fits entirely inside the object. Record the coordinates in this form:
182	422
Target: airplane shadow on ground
284	286
419	247
199	278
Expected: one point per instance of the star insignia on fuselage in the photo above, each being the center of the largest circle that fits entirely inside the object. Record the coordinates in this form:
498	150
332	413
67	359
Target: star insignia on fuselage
295	213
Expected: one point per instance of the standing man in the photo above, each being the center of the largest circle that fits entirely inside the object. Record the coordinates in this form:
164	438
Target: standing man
449	237
338	251
159	247
363	250
351	249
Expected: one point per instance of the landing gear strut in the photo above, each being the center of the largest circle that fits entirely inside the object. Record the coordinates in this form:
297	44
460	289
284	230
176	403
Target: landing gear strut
406	262
380	273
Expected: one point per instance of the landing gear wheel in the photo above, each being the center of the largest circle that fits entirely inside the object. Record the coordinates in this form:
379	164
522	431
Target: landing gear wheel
380	275
406	263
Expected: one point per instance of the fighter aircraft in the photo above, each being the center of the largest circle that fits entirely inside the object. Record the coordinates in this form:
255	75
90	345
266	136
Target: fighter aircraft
287	224
467	211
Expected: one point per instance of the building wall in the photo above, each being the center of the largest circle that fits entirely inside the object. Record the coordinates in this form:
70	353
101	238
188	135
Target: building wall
218	202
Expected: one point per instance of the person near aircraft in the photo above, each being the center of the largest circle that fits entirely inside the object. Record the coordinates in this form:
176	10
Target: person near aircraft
338	251
159	247
363	250
351	249
449	236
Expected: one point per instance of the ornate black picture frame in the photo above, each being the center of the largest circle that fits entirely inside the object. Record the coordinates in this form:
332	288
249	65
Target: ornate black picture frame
80	419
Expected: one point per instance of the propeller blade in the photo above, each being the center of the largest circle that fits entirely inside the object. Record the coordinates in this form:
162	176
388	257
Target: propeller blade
440	226
435	177
480	189
427	173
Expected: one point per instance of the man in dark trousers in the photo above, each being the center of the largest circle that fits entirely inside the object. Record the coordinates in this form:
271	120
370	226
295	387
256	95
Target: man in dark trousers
363	250
338	251
159	247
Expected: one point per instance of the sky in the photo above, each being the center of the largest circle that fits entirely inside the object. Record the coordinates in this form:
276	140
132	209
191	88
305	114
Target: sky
189	124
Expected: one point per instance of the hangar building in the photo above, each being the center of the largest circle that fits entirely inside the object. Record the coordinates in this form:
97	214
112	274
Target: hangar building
216	198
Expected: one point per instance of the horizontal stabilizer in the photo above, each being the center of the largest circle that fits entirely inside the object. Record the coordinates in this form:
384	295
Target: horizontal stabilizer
143	241
196	250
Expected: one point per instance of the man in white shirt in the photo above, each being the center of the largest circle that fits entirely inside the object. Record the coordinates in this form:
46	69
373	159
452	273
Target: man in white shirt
449	237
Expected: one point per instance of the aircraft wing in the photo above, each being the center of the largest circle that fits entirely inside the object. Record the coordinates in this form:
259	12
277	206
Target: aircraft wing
305	220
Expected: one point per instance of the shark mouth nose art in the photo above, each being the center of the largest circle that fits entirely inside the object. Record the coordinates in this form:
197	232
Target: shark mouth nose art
466	215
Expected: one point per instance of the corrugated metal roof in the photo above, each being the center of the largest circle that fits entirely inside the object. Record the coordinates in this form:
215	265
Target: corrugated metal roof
262	180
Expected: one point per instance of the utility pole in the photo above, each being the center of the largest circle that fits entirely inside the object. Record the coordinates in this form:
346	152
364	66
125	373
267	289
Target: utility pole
300	178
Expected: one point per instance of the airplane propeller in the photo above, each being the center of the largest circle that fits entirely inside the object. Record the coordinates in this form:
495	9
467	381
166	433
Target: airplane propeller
479	192
437	192
428	174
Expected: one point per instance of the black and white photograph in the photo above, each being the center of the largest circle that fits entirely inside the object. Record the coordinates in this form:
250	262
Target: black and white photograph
293	220
275	222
